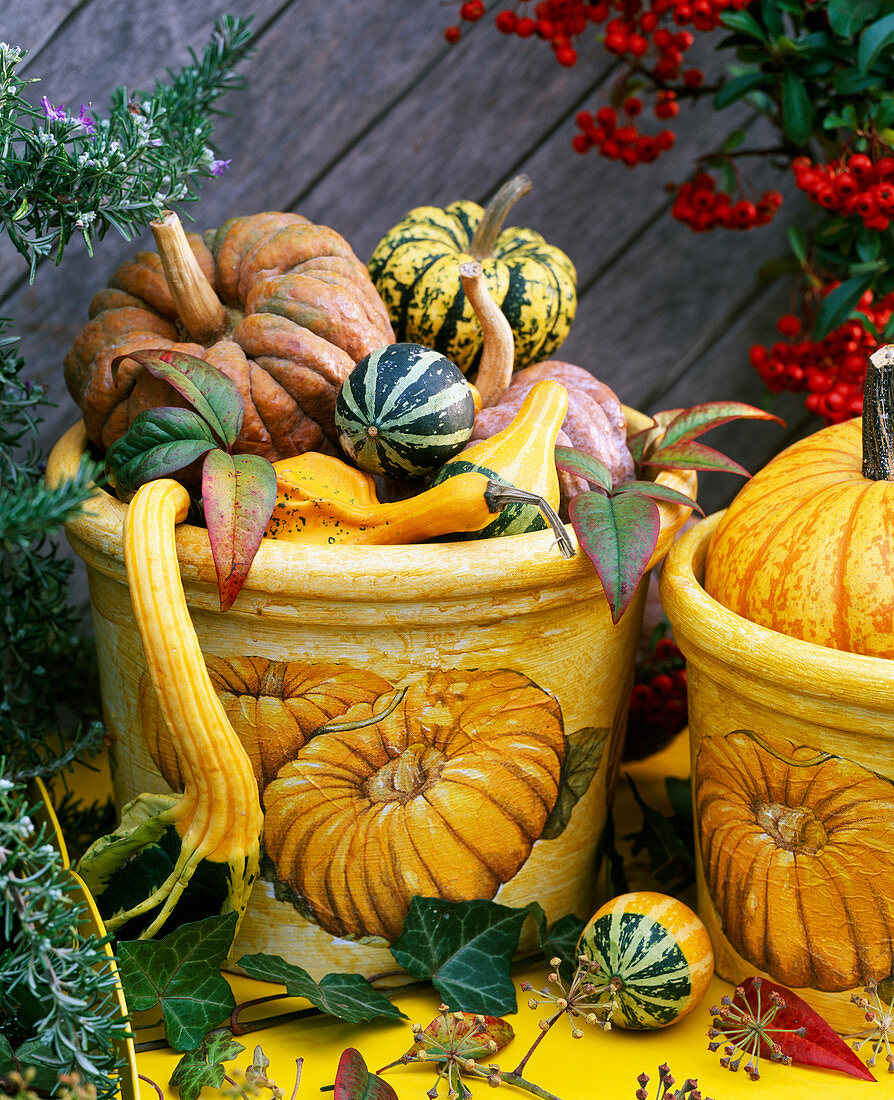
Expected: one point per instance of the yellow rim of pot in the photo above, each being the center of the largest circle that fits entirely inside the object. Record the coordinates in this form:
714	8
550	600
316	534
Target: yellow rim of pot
702	622
388	574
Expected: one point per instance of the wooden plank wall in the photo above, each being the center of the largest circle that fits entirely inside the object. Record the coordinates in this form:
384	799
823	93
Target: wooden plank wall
354	113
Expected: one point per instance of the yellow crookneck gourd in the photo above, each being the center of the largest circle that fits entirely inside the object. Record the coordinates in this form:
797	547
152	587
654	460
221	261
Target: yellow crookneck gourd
218	815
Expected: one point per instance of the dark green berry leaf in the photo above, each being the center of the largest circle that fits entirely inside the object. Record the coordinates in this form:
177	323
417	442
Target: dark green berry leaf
744	23
214	397
847	17
465	948
797	242
204	1066
238	495
618	534
181	974
353	1081
838	304
875	39
584	466
159	443
739	87
798	115
348	996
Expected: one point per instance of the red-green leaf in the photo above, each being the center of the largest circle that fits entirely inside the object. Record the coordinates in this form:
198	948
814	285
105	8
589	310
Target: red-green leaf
820	1045
450	1031
585	466
693	456
159	443
215	397
655	491
238	494
353	1081
618	534
691	423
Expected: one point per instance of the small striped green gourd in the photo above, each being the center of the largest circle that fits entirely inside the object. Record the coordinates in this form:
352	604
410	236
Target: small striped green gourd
659	951
403	411
415	268
521	455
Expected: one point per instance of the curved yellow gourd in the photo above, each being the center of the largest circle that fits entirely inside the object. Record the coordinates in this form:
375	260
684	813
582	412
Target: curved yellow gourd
323	501
218	816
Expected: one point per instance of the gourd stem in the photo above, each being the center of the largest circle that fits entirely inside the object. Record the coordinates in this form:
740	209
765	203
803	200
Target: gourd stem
201	312
498	353
489	228
878	416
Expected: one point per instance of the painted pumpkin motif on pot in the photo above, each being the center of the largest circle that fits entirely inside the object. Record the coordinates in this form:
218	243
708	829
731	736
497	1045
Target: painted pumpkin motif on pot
443	798
273	706
798	854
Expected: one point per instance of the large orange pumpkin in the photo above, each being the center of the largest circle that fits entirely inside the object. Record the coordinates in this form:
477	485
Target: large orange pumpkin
807	547
443	798
273	706
281	306
798	855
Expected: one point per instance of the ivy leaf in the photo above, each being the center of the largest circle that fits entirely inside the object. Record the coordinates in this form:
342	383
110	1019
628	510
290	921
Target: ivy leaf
353	1081
738	88
238	494
159	443
798	115
585	466
181	973
348	996
204	1066
583	751
38	1053
668	842
465	948
618	534
838	303
876	37
560	941
214	396
846	17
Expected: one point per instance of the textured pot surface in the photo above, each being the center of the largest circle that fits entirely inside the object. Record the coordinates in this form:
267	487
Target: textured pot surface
485	688
792	748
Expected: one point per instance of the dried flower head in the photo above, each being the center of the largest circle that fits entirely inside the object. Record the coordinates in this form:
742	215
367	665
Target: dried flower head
583	999
689	1090
742	1031
880	1017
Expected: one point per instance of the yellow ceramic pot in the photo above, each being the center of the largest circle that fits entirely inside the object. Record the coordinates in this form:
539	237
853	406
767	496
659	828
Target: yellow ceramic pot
792	749
442	719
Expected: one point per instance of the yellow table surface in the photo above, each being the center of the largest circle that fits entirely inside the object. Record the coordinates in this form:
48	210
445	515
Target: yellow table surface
600	1066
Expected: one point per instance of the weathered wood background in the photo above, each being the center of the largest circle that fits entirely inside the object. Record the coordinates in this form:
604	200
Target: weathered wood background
356	112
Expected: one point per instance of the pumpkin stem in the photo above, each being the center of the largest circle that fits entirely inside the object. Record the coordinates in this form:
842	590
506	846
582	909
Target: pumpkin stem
198	307
878	409
489	228
498	353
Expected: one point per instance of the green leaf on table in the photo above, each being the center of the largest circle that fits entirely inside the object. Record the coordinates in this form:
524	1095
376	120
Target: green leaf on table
583	751
846	17
798	115
181	974
876	38
584	466
465	948
348	996
353	1081
618	534
214	396
838	303
204	1066
159	443
238	495
738	88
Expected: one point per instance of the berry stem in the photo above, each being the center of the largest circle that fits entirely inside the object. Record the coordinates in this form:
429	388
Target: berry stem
878	408
543	1033
486	235
528	1086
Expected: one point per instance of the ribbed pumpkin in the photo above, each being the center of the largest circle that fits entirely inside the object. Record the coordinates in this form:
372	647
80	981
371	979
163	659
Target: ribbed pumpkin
415	267
443	798
658	949
403	411
273	707
806	547
282	306
798	855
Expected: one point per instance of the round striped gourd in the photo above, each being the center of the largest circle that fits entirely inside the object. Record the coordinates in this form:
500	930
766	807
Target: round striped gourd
658	949
415	268
403	411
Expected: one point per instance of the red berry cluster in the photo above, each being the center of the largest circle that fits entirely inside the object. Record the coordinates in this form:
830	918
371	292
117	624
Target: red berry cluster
624	143
831	370
854	185
701	206
658	705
